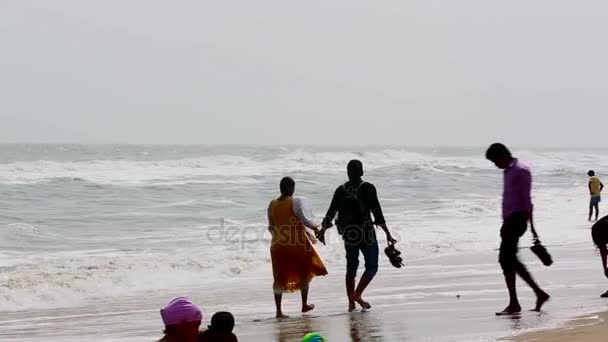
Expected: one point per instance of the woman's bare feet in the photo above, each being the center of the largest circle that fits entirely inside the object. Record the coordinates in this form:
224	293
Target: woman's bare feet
307	308
352	307
280	315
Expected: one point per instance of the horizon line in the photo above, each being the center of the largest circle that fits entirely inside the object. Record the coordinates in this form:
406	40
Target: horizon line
402	146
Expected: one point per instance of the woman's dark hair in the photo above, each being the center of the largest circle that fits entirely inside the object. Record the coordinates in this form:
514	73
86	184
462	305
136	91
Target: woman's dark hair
287	183
497	150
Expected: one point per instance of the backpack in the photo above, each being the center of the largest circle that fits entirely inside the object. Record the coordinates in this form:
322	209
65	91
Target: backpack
353	212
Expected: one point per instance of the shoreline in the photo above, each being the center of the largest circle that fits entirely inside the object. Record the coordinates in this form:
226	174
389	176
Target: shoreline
587	328
459	293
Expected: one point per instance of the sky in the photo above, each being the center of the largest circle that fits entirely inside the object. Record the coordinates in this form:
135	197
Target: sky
315	72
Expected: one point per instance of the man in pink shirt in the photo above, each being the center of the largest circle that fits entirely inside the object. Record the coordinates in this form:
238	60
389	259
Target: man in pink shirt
516	213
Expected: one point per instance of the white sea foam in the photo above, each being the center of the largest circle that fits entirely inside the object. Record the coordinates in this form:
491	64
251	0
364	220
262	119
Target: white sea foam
222	168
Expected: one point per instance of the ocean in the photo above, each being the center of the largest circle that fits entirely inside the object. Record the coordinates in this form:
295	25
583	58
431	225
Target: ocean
86	225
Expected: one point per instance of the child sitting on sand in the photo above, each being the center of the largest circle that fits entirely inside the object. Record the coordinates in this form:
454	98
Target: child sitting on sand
220	330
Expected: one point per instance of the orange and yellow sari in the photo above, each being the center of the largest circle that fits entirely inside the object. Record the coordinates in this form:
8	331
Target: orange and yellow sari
294	260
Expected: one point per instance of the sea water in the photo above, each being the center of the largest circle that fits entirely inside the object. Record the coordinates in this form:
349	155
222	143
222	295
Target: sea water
83	224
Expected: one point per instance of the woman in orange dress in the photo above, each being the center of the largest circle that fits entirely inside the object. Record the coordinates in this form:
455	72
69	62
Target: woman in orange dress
294	260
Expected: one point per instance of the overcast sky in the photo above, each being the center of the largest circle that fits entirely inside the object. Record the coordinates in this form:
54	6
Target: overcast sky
466	72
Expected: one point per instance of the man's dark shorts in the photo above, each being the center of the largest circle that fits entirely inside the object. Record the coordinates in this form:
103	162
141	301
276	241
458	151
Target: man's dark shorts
512	229
599	232
595	200
367	244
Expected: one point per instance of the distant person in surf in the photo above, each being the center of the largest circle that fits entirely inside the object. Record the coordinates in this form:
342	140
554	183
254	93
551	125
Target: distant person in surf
599	233
595	190
182	320
220	330
294	260
516	213
354	202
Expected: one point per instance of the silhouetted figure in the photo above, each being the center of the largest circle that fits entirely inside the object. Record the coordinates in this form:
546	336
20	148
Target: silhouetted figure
294	260
220	330
516	213
599	233
595	190
354	202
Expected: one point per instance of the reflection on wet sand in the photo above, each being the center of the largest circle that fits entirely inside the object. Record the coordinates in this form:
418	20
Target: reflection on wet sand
293	329
364	328
520	322
355	327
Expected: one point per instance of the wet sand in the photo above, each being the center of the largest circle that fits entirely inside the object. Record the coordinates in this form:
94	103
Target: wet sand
421	303
447	298
592	328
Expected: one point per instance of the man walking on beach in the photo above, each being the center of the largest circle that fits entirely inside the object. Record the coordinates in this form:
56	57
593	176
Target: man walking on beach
595	190
353	201
516	213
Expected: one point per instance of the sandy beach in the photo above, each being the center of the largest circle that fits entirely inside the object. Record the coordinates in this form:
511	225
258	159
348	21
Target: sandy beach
591	328
448	298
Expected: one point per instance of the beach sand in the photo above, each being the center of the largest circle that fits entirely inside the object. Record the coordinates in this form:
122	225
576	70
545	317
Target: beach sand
447	298
592	328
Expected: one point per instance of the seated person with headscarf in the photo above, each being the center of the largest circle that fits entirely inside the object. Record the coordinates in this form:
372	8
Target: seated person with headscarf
182	320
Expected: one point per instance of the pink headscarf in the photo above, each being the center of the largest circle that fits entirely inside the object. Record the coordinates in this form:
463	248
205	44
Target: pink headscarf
180	310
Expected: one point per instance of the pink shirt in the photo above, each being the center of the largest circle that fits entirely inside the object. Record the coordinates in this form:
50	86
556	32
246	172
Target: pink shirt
517	188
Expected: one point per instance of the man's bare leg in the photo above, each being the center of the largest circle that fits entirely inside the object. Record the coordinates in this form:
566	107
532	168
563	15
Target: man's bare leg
370	252
541	296
350	292
513	307
304	286
363	283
